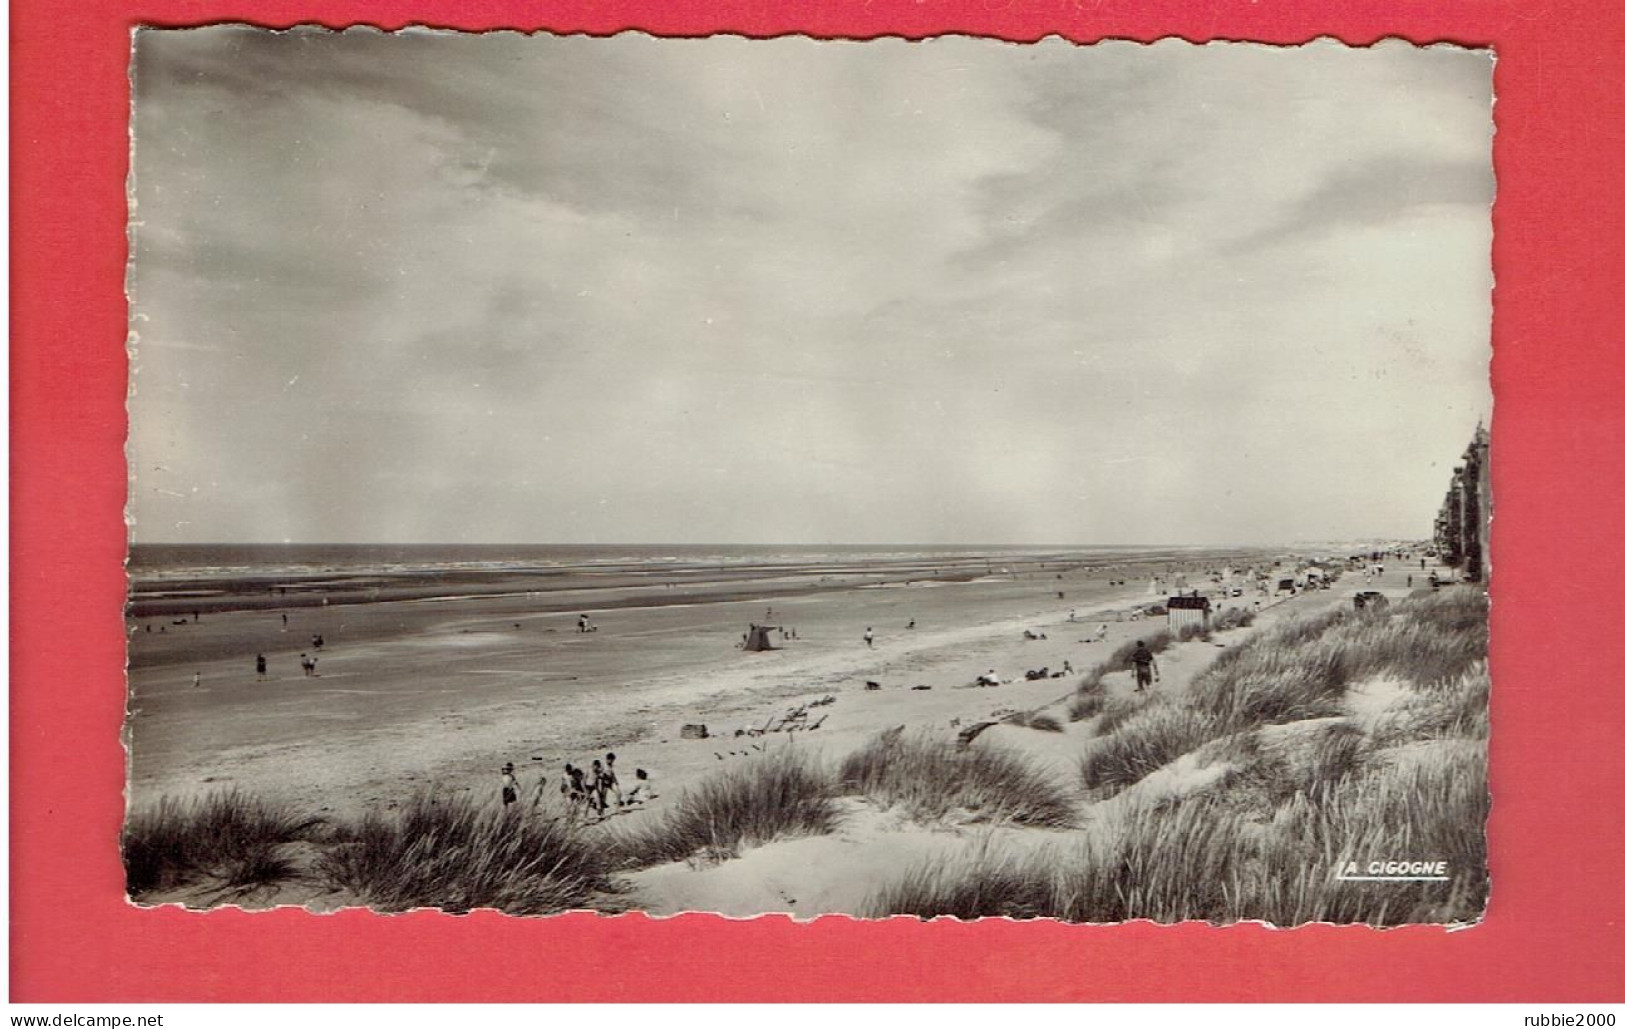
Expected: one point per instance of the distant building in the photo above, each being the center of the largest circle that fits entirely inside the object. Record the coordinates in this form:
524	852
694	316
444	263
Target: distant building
1461	532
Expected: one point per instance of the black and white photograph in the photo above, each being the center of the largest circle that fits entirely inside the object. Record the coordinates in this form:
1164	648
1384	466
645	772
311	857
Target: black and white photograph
949	478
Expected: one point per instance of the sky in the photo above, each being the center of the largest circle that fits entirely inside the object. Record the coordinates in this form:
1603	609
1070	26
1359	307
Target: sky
431	287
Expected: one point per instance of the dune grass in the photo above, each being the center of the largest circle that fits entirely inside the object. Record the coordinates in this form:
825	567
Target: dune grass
1117	710
987	883
1085	705
932	778
1198	858
1231	618
1307	792
1089	698
1146	740
450	853
1442	710
1035	720
1301	668
227	837
782	793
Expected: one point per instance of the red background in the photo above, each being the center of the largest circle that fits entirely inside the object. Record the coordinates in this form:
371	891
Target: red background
1554	926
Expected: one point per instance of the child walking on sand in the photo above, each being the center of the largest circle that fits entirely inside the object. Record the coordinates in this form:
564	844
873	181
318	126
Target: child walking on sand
597	788
574	790
608	780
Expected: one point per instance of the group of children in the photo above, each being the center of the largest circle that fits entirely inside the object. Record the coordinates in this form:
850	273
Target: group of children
583	790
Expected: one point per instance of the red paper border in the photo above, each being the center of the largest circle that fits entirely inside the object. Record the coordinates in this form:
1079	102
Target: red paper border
1554	928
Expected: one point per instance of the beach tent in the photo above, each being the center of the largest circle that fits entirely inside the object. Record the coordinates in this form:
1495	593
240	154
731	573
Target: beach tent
757	638
1188	610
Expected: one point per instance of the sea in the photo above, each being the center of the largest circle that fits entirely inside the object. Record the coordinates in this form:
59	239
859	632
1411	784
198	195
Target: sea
165	561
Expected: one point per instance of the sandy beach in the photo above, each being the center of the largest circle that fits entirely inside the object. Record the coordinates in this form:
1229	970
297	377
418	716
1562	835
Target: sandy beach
415	692
439	694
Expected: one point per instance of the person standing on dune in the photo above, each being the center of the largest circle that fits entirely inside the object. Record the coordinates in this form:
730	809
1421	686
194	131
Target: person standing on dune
1145	666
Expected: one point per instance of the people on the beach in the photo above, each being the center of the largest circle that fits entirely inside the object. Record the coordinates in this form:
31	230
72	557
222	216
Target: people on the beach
596	788
910	623
869	636
989	679
574	788
1145	666
284	619
259	665
197	680
608	781
643	789
307	663
581	624
510	785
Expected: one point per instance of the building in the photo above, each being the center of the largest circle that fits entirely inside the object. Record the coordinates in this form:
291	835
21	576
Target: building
1461	532
1188	610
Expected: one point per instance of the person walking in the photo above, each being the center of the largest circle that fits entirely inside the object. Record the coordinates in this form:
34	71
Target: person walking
869	637
595	788
574	793
259	666
609	781
1145	666
510	785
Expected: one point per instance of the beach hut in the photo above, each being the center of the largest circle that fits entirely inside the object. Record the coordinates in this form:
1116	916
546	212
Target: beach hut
1188	610
757	638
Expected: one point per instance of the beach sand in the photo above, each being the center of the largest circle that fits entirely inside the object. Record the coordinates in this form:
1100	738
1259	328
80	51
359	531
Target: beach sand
439	694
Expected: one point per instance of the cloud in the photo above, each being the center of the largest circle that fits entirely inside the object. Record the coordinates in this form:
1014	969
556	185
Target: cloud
1377	192
533	288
